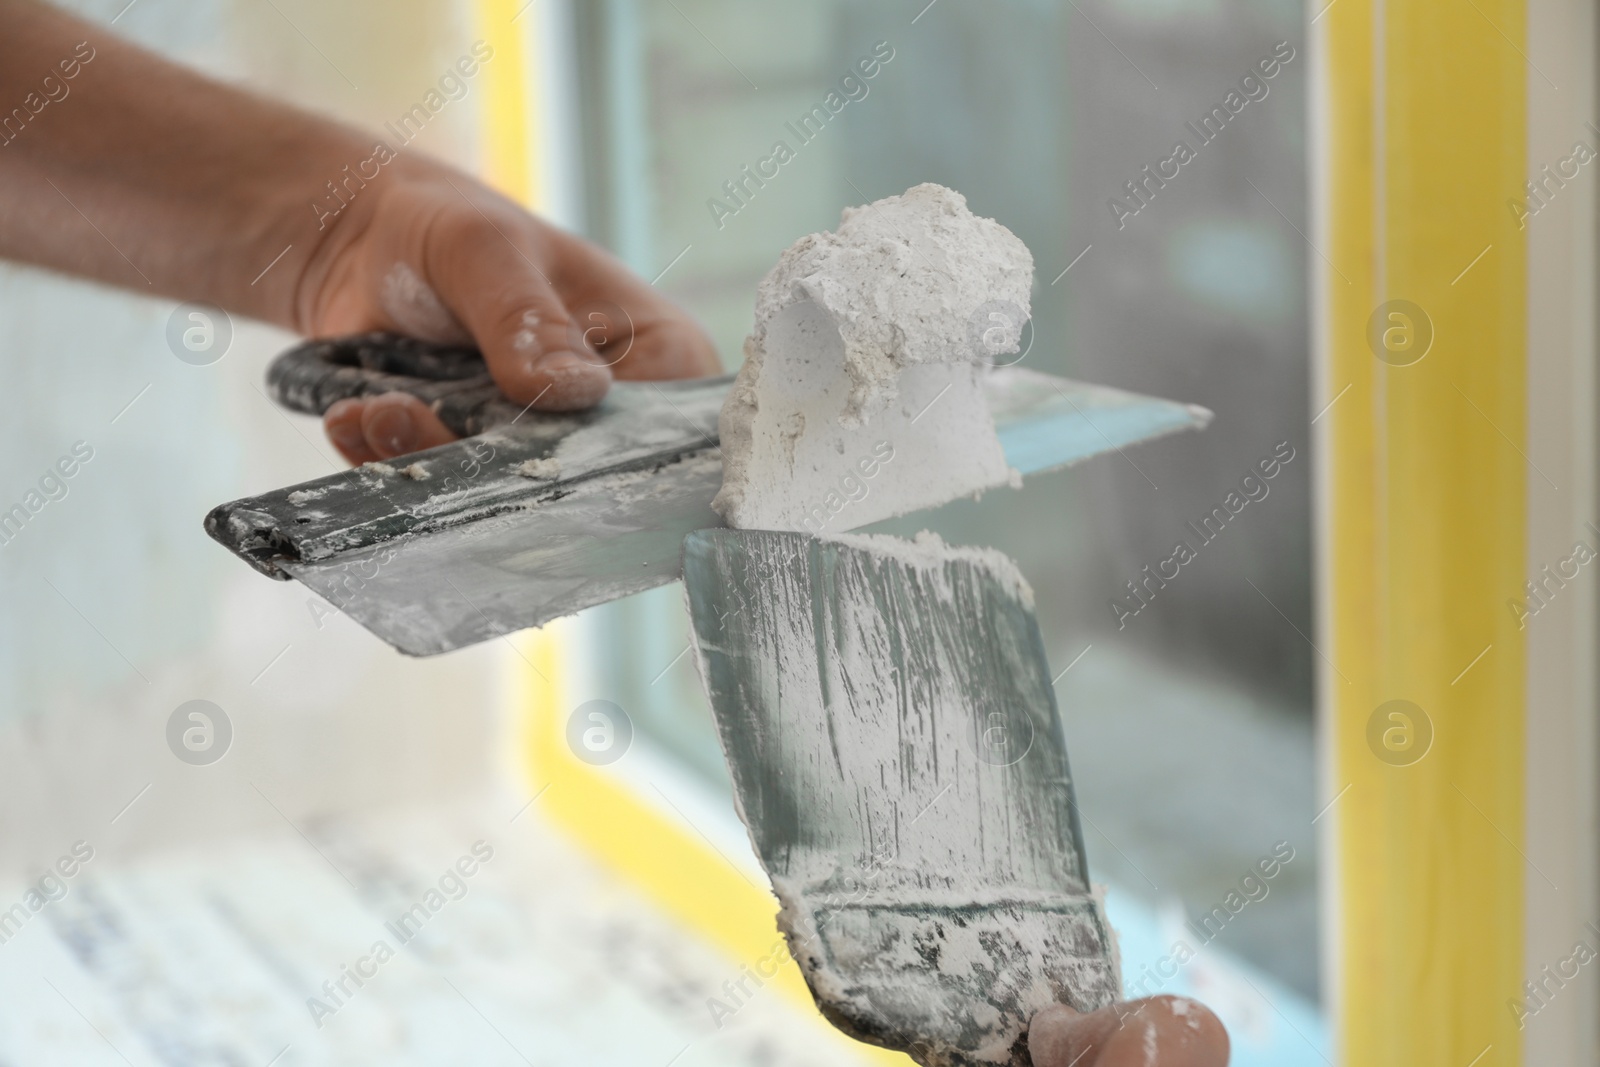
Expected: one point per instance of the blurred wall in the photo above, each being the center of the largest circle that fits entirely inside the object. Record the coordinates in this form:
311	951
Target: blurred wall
1202	296
1041	113
115	608
1188	725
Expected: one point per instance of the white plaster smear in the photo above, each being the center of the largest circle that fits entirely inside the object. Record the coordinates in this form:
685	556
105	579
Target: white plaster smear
862	383
416	308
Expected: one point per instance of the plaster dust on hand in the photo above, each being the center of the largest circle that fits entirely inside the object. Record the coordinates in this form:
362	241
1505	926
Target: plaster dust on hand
525	340
862	381
416	308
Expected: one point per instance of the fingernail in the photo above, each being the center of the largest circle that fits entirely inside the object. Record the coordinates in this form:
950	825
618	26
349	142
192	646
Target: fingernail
575	382
394	430
562	362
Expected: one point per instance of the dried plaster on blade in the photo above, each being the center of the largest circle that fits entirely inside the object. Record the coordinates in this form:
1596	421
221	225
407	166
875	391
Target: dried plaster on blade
862	381
966	952
546	469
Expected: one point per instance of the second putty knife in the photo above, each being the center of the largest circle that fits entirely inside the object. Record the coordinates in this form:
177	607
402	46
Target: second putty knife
886	711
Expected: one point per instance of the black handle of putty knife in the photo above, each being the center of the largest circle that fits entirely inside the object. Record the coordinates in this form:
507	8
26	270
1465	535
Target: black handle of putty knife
452	379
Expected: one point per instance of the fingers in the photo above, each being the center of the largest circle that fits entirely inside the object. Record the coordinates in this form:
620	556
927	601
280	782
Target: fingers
670	348
342	424
443	259
1167	1031
637	331
383	427
489	276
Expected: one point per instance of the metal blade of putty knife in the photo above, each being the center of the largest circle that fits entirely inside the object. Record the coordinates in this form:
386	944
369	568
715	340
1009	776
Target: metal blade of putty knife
542	517
886	712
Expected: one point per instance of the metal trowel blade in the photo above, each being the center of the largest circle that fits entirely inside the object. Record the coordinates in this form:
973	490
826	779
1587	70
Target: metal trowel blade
529	522
887	716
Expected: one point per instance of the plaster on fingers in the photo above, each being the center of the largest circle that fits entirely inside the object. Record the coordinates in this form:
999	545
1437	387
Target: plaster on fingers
416	309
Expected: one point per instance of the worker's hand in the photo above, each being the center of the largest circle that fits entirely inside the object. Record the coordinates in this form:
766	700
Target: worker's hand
159	179
431	253
1164	1031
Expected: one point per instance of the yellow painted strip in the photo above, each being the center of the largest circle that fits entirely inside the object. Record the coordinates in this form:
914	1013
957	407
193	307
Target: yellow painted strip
1425	130
511	104
638	841
653	852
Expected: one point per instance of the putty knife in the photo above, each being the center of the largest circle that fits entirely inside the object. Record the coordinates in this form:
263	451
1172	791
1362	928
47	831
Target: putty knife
540	516
887	714
885	707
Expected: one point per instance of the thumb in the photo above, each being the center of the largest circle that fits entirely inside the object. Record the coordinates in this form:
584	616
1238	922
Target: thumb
1167	1030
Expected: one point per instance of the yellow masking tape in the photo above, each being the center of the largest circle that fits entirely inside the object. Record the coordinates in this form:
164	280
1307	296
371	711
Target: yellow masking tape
511	103
653	852
1424	127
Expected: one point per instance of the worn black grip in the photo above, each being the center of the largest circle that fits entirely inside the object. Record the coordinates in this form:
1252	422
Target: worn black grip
451	379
